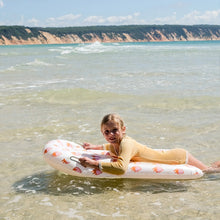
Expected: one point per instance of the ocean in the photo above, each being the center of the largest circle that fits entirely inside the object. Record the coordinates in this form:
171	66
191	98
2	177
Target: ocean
168	94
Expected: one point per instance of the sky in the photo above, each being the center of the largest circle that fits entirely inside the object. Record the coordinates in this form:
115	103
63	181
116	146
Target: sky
63	13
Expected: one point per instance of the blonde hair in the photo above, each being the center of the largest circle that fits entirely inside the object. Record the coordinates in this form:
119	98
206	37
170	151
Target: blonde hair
114	118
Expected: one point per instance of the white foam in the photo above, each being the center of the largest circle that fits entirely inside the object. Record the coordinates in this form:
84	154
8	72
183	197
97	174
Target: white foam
66	52
117	214
46	202
16	199
96	47
54	50
63	50
11	68
98	213
37	62
39	84
72	213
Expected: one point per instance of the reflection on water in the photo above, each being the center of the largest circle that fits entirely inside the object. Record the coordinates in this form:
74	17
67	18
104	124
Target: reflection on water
56	183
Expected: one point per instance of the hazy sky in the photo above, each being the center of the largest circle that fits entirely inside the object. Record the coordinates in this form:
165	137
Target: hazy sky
60	13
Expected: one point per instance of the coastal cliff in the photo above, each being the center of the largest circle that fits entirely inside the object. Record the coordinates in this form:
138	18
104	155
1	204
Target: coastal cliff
13	35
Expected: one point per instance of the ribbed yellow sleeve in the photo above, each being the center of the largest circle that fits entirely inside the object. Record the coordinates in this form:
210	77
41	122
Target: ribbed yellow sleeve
129	150
126	151
106	146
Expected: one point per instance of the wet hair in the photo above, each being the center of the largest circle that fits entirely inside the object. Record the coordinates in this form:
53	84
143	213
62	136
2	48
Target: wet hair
113	118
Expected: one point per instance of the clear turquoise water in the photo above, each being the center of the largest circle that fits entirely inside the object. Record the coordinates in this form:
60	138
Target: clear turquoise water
168	94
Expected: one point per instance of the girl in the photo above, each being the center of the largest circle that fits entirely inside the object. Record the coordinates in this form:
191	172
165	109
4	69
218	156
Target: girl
126	149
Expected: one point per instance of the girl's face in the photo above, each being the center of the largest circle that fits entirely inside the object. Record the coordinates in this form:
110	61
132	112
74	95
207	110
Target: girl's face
113	132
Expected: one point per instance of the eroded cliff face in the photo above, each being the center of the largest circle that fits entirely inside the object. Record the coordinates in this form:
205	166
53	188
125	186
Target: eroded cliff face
154	35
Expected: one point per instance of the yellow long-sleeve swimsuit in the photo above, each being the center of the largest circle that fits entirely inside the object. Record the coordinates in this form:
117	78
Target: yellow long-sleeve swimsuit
131	150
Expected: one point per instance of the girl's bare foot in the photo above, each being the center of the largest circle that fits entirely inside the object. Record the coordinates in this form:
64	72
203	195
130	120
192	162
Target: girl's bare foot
214	168
216	164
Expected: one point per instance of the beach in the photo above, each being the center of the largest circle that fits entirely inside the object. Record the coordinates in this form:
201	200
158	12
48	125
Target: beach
166	92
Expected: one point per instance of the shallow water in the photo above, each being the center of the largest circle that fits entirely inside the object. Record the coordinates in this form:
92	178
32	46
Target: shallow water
168	95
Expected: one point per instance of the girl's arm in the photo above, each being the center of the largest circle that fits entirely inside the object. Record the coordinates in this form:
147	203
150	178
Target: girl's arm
120	166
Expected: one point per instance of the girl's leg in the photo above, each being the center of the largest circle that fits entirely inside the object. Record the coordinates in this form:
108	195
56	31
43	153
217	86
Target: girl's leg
214	168
196	163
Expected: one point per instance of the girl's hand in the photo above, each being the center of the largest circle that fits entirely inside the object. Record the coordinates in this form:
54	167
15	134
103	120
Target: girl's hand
87	162
89	146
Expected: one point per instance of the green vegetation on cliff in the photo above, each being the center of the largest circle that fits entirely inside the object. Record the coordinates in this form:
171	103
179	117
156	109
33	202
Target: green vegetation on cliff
19	32
136	32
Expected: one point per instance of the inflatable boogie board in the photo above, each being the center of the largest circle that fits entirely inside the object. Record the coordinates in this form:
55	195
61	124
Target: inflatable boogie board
63	155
